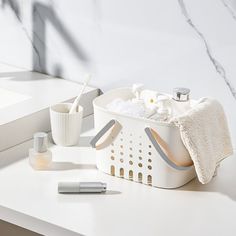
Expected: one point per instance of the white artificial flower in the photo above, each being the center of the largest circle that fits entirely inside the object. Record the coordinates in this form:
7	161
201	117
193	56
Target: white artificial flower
150	98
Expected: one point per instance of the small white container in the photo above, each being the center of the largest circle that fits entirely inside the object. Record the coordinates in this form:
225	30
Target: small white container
180	101
65	127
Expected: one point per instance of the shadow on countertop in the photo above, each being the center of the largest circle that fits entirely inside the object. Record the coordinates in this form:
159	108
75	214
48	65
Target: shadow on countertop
70	166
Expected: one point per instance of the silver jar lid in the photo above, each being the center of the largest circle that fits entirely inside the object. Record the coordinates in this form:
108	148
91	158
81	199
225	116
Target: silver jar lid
40	142
181	94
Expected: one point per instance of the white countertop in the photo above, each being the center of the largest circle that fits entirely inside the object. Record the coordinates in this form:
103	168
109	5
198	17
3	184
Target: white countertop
25	92
29	199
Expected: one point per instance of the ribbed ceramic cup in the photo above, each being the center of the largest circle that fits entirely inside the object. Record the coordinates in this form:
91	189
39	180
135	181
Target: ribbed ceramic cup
65	127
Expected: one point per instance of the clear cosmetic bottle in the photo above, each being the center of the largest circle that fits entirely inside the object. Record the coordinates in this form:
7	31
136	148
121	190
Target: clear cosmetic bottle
180	101
40	158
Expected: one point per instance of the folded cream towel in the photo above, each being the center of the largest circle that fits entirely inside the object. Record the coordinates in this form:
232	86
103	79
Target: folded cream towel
205	134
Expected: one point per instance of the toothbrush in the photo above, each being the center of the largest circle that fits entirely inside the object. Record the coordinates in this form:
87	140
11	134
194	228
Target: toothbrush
76	102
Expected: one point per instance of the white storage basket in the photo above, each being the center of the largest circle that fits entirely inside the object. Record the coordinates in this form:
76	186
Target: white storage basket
139	149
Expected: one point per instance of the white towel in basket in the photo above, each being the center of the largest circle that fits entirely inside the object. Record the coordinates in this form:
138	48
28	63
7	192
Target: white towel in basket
205	134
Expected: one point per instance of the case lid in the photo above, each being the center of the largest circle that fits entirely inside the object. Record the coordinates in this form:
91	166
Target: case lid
40	142
181	94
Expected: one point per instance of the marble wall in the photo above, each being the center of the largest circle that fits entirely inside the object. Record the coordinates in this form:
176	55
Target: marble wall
163	44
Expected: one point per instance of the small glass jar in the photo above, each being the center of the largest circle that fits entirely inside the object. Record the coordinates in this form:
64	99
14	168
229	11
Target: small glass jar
181	101
40	158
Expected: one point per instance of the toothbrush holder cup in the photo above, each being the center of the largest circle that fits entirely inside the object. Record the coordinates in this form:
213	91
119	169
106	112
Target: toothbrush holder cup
65	127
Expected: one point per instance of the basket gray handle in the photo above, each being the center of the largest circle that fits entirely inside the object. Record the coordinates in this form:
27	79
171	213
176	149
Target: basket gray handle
168	158
115	127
